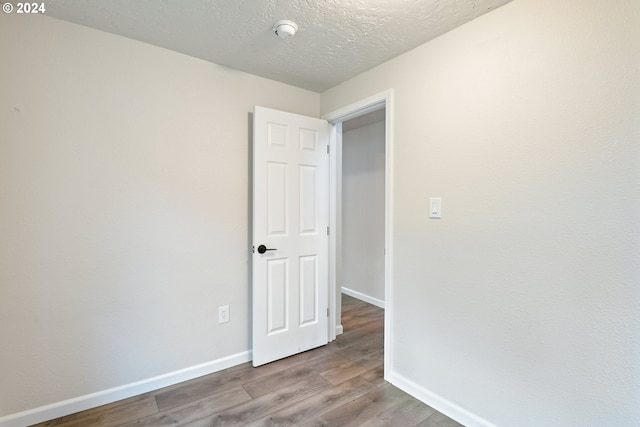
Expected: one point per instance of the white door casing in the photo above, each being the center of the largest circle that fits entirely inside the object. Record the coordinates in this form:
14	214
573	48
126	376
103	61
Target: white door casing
290	218
371	103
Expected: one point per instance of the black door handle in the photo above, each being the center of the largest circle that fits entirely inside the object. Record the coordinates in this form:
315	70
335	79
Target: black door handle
262	249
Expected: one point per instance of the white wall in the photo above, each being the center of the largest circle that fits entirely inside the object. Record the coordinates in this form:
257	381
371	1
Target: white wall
520	306
363	212
123	209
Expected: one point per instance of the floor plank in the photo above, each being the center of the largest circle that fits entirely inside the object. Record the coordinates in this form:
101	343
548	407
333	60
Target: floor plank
317	404
361	409
114	414
294	374
353	368
409	413
195	410
249	411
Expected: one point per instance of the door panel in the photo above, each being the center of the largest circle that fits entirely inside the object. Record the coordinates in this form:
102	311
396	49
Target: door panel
277	291
276	200
308	200
308	290
290	218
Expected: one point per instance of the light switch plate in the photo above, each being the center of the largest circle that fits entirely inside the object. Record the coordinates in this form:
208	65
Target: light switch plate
435	207
223	314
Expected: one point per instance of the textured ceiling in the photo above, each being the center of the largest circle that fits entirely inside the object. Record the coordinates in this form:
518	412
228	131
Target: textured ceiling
336	40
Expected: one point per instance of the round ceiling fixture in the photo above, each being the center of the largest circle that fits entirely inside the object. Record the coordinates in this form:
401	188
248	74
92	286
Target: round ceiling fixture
285	29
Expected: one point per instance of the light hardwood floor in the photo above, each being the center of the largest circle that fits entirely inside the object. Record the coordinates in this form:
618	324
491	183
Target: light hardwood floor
340	384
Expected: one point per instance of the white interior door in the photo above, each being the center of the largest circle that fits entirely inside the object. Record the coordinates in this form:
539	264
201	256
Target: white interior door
290	234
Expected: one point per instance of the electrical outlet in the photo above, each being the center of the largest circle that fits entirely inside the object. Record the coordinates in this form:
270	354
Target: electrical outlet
223	314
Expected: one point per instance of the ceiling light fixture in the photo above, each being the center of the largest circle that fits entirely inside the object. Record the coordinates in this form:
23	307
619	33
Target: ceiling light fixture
285	29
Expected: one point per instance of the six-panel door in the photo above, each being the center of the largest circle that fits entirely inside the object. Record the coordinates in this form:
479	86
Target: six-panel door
290	217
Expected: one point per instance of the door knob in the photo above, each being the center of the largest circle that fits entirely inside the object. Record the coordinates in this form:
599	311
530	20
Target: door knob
262	249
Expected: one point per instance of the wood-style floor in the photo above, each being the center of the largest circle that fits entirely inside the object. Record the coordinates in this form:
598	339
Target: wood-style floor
340	384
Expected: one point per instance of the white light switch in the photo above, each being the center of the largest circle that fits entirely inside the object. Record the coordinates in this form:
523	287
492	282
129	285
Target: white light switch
435	207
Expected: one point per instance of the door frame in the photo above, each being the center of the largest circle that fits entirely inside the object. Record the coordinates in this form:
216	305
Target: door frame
359	108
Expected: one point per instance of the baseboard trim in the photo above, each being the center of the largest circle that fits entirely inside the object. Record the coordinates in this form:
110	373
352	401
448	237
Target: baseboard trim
81	403
366	298
450	409
339	330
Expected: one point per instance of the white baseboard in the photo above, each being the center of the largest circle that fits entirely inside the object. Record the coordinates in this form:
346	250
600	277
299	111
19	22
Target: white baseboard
450	409
81	403
366	298
339	330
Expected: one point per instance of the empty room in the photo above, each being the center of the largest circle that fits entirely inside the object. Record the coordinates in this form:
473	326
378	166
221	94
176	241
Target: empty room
355	212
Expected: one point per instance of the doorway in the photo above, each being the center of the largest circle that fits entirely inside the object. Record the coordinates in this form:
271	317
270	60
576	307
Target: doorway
380	102
363	159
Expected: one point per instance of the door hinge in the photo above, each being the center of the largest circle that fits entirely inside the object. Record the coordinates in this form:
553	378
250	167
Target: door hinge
327	148
327	311
327	230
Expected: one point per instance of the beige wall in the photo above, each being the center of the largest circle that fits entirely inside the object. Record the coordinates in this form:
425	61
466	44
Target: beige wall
520	306
123	209
363	212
